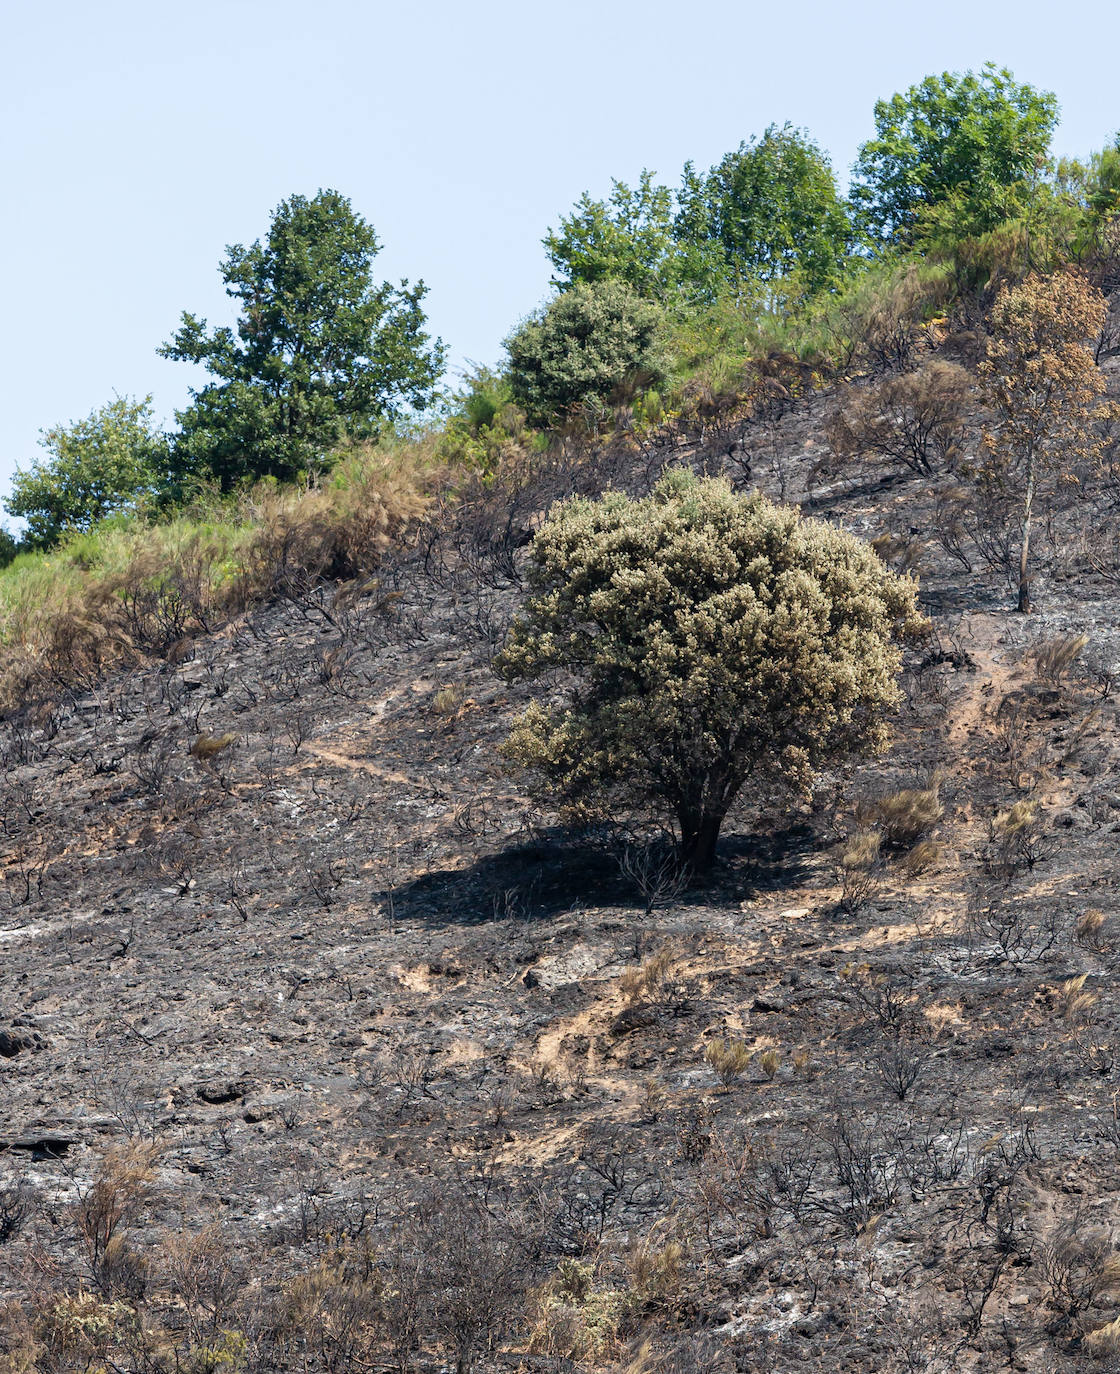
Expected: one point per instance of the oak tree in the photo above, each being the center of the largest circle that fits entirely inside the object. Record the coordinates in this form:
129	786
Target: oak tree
319	352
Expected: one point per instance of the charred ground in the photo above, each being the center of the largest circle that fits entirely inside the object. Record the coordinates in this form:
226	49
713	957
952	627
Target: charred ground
324	1049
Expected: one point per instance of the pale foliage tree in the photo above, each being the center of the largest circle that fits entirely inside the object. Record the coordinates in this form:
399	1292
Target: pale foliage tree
1044	390
708	639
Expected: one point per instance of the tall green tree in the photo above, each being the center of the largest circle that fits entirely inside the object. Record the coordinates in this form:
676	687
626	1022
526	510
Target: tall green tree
108	462
318	353
771	209
628	236
954	155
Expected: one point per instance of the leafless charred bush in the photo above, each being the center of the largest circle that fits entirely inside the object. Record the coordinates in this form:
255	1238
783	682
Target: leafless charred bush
693	1126
654	869
339	671
152	760
1016	927
859	860
325	876
911	422
204	1271
18	1204
107	1208
476	1277
1018	839
993	1220
1019	752
21	745
162	607
27	864
885	326
1080	1266
889	999
859	1155
979	520
474	538
901	1062
612	1182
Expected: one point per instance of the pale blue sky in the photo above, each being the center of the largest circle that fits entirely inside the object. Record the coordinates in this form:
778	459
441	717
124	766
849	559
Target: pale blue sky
140	138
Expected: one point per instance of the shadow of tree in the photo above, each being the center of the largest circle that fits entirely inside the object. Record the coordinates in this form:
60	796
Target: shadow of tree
562	872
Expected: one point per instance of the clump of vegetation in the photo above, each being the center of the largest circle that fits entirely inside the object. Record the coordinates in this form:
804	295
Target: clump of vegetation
1080	1266
909	422
718	638
1018	838
728	1059
1044	389
769	1061
123	589
582	351
651	981
904	817
575	1318
1053	658
859	862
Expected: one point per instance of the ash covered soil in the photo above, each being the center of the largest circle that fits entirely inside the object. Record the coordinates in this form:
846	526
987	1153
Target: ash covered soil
342	983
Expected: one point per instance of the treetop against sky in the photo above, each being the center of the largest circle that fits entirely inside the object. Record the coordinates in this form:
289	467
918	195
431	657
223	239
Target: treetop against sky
144	140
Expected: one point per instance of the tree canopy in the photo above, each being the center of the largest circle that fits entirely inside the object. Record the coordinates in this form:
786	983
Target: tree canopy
954	153
1043	388
713	638
581	348
629	236
318	353
105	463
770	209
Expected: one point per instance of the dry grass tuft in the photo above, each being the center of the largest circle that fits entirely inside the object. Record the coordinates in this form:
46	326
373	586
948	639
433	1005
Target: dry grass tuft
729	1059
1053	658
649	982
207	747
904	817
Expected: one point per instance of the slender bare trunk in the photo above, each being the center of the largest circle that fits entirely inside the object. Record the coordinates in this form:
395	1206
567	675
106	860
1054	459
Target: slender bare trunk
1025	548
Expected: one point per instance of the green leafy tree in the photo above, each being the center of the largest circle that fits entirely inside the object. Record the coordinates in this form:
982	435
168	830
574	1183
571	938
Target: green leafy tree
629	236
715	639
319	352
769	210
954	155
108	462
581	348
9	547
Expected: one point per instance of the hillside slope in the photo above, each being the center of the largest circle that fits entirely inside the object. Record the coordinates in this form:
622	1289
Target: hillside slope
311	1021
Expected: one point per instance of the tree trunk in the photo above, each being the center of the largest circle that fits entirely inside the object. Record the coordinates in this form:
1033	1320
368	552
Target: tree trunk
699	834
1025	548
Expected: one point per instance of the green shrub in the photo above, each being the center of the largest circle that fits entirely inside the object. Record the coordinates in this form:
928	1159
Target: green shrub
582	349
